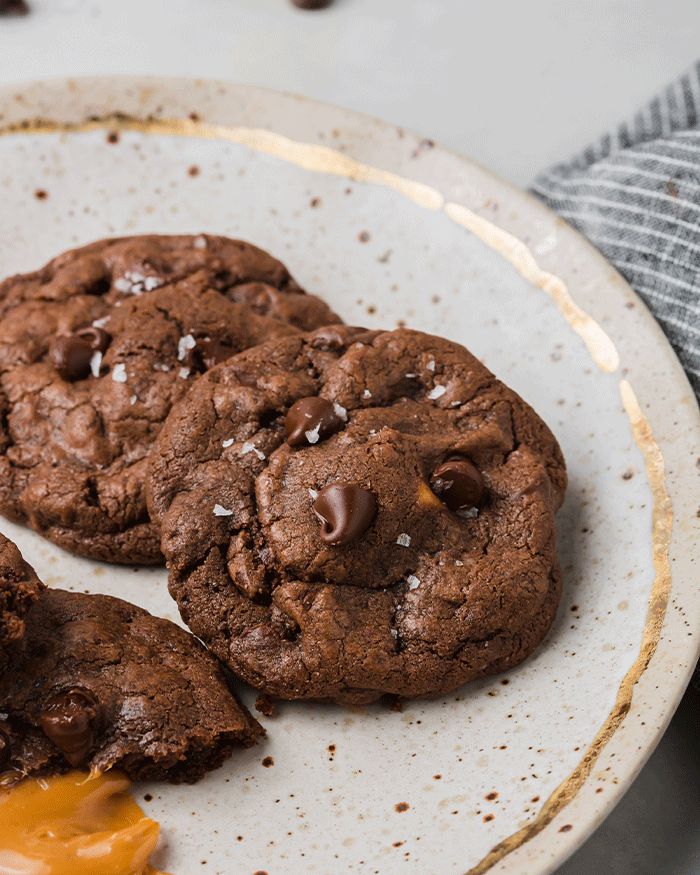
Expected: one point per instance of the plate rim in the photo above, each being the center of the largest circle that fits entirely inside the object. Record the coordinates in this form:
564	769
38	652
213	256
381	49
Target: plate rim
171	87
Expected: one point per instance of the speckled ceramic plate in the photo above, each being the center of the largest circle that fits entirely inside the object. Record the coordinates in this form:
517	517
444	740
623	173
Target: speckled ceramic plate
508	775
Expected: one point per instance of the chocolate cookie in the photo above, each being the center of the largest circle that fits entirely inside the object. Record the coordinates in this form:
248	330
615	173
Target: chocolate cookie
99	683
19	589
350	513
94	350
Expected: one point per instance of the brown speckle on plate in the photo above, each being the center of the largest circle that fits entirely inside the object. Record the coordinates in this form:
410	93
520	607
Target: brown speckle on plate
41	194
268	762
401	806
363	236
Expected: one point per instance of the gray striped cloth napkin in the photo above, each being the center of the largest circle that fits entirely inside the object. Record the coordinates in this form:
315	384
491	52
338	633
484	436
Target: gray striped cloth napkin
636	195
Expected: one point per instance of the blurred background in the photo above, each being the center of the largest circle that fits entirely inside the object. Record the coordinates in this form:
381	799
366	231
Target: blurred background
514	85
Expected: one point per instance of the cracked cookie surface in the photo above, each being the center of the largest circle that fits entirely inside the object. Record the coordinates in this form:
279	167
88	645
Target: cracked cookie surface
340	566
19	589
94	350
100	683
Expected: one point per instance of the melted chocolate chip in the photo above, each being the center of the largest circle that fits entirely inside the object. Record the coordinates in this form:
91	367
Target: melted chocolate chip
70	721
311	419
345	511
4	751
458	483
98	338
71	357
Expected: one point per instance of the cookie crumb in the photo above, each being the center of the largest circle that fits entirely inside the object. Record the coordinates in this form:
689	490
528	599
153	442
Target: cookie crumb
265	705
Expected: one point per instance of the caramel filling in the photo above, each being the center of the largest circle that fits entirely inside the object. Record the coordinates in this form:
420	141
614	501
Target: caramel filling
75	824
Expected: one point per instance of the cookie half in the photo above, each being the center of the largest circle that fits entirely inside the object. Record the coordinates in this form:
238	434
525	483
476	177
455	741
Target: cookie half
95	348
100	683
353	513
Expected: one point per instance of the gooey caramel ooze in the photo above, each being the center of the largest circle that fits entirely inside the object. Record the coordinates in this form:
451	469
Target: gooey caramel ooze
75	824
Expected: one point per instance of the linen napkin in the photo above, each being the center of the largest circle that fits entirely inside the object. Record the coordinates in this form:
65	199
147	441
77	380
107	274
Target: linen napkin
635	194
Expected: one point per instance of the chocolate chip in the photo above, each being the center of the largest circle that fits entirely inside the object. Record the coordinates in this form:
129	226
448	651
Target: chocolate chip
345	511
71	357
312	4
311	419
70	721
98	338
458	483
4	750
13	7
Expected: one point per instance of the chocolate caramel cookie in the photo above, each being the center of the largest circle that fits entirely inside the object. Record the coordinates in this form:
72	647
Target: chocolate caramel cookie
99	683
94	350
353	513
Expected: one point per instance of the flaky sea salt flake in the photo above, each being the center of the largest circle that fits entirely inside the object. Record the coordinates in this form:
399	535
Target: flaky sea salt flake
96	363
404	540
249	447
119	373
313	434
412	581
227	442
436	392
340	412
183	344
222	511
183	373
